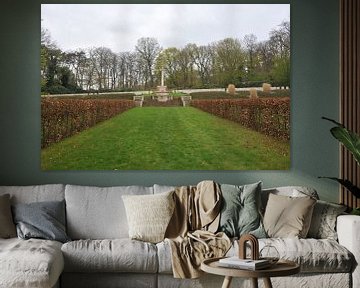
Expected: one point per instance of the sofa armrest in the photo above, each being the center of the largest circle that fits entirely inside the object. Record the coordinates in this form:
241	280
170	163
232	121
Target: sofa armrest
348	230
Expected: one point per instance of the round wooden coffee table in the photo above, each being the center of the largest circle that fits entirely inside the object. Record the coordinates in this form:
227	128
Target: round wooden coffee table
281	268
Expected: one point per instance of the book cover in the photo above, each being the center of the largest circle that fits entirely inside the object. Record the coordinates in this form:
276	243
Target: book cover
236	262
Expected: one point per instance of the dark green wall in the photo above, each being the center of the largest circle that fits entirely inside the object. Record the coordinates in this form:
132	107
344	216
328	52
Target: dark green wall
315	86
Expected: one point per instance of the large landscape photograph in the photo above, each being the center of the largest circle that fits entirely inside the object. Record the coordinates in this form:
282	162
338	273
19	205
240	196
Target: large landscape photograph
165	86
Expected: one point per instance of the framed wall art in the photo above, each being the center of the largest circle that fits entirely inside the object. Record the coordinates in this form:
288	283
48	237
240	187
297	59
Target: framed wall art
165	86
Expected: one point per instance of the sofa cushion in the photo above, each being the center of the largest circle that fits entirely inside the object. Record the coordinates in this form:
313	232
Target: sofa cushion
36	193
117	255
287	216
323	222
7	226
30	263
98	213
149	215
240	210
43	220
164	257
313	255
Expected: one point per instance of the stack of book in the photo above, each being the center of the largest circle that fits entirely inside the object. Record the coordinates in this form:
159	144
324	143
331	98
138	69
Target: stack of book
248	264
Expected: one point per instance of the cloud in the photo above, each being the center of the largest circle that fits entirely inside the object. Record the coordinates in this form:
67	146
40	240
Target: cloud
118	26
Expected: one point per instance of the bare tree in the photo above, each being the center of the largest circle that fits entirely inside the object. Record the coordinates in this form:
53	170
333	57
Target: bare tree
280	39
148	50
280	43
186	68
250	42
76	62
202	57
127	70
265	57
101	59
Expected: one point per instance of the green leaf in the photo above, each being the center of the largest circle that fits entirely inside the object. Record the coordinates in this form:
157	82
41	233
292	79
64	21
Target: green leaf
347	184
348	138
355	211
333	121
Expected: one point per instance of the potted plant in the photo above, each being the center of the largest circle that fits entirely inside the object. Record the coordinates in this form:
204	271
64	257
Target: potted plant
351	141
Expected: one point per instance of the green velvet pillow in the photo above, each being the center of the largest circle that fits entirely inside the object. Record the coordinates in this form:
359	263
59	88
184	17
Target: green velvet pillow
240	213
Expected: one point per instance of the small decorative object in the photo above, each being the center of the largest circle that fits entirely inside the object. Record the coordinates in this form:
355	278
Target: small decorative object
268	252
254	246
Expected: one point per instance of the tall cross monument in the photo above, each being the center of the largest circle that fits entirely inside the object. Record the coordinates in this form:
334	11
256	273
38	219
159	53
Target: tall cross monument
161	91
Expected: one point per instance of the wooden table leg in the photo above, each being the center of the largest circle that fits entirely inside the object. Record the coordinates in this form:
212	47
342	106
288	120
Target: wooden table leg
227	282
267	283
254	282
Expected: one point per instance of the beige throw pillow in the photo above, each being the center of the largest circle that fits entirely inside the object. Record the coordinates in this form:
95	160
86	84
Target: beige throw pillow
149	215
7	226
288	217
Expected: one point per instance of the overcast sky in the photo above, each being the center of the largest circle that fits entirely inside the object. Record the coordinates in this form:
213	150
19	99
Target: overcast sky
119	26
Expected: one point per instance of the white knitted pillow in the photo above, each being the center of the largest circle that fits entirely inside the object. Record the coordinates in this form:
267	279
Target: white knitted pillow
149	215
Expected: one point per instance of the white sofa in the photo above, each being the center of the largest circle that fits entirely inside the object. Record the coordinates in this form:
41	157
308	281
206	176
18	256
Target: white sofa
101	254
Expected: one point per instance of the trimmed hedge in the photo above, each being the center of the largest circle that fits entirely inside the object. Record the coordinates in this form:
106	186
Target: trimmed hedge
153	102
122	96
62	118
270	116
238	94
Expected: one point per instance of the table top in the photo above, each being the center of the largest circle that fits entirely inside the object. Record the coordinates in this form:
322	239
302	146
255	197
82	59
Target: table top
281	268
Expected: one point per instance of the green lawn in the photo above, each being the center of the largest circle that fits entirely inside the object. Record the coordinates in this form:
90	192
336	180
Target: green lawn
156	138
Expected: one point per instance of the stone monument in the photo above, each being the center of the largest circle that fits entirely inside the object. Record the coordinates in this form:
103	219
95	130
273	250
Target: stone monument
161	91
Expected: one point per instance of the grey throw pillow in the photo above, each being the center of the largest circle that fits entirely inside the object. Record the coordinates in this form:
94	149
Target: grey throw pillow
7	226
323	222
240	213
44	220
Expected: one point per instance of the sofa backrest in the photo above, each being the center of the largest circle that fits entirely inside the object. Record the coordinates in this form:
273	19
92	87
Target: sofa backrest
98	212
162	188
36	193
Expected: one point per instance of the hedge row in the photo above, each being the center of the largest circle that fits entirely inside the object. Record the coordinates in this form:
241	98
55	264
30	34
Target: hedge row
270	116
214	95
153	102
120	96
66	117
238	94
